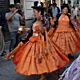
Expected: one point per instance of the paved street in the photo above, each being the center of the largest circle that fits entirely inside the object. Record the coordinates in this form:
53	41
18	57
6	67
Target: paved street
7	71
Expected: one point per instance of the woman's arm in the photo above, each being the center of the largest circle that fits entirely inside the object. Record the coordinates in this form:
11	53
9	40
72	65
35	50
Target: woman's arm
41	28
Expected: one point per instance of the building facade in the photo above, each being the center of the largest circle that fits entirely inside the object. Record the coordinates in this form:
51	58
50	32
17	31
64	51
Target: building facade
26	5
4	5
60	2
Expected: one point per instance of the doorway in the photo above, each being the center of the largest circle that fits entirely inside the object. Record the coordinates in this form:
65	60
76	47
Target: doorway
16	1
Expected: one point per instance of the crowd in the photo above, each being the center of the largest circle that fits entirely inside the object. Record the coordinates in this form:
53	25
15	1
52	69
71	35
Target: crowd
50	42
15	20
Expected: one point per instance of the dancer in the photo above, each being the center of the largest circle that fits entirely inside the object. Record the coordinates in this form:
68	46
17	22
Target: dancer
64	33
37	56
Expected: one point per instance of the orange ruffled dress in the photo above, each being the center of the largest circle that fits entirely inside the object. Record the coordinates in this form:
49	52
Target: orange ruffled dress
35	58
66	37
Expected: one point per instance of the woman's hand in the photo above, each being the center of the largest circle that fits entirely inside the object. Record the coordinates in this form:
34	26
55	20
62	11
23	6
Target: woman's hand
6	57
26	29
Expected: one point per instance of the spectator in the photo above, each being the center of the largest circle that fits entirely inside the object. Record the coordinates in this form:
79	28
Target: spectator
18	6
54	10
2	43
50	10
58	9
75	11
13	19
21	12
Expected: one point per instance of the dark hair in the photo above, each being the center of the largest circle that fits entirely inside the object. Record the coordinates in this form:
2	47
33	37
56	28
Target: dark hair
42	11
54	4
38	8
78	9
64	5
12	6
73	7
67	6
49	5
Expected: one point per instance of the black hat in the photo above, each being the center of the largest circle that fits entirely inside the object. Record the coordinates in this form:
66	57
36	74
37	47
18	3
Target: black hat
64	5
38	5
54	4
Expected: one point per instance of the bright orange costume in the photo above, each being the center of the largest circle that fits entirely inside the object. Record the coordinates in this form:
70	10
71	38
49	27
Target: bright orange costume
66	37
38	56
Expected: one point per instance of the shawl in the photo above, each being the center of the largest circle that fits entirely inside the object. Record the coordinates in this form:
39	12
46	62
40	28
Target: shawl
73	72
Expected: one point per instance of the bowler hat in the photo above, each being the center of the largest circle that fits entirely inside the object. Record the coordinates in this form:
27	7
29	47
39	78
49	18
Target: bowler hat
38	5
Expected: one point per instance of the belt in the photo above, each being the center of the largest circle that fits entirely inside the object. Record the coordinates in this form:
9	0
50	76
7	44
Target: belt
35	34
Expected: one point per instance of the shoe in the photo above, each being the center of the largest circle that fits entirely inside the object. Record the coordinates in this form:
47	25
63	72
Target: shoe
70	56
3	53
42	77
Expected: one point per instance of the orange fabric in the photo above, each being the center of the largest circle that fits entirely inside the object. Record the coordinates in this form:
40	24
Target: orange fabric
33	38
36	29
65	37
31	58
63	25
22	27
60	58
14	51
51	21
50	32
20	31
78	30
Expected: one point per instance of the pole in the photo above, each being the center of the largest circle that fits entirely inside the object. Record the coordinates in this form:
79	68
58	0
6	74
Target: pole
51	1
58	3
11	1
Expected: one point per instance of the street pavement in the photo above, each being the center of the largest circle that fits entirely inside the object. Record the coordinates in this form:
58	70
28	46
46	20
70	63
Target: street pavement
7	70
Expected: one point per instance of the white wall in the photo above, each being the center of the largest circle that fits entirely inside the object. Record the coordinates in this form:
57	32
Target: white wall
22	3
28	11
27	8
11	1
58	2
42	0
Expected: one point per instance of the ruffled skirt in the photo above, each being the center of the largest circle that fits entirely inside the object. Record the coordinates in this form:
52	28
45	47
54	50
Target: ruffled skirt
34	58
68	42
